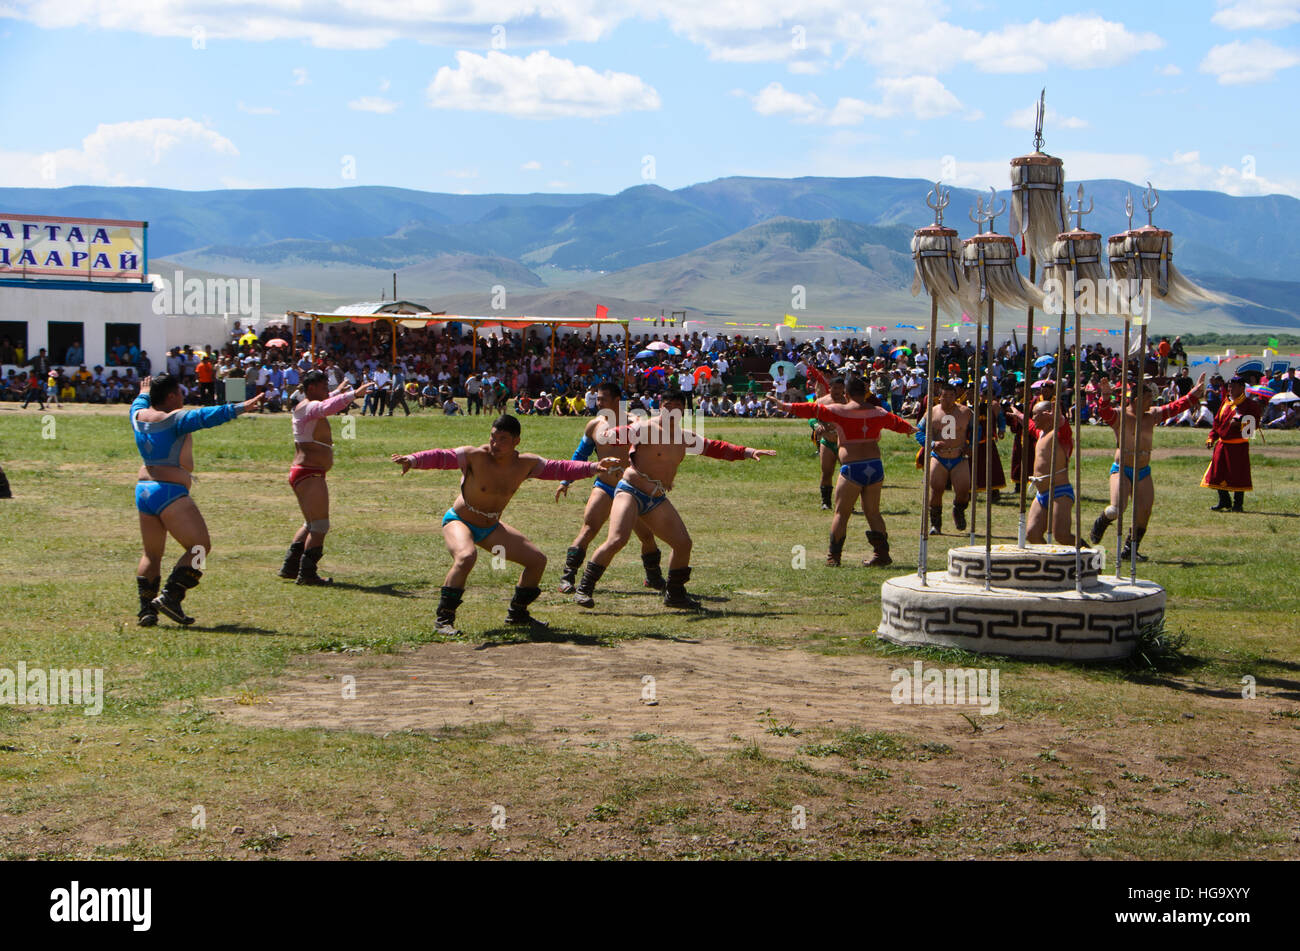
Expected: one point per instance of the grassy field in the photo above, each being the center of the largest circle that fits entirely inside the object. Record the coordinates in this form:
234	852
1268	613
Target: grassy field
236	738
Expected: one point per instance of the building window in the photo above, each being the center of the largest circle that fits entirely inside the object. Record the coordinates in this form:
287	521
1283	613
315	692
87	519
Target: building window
121	344
13	340
67	342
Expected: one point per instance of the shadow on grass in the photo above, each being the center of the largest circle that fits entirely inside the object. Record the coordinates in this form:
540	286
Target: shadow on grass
513	636
237	629
392	590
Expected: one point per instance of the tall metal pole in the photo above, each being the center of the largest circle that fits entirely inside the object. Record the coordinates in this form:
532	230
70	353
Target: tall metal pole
975	427
988	463
1078	447
1123	420
1057	393
1139	395
1026	454
922	559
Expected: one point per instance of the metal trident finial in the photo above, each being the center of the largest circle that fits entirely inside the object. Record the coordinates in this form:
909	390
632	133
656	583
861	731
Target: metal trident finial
941	198
982	213
1078	210
1128	208
1038	120
1150	199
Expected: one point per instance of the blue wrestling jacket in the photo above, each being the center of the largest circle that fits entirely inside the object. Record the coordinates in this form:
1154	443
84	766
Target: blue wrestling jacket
160	442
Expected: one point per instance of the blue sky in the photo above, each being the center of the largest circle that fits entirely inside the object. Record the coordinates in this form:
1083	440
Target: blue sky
587	96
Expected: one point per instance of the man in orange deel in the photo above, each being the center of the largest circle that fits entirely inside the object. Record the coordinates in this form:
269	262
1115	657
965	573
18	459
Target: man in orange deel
206	375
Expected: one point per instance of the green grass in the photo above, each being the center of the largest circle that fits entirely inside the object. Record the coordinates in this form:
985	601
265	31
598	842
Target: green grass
122	785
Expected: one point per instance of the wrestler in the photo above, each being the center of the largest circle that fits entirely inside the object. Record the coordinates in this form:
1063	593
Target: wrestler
490	476
999	429
1139	414
162	494
858	424
951	421
657	447
1052	489
601	499
313	457
823	434
1229	469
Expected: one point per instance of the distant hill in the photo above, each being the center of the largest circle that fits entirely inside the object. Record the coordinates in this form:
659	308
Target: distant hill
731	247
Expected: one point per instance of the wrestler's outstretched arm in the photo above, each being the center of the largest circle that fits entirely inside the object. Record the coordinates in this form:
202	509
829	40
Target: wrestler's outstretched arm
434	459
717	449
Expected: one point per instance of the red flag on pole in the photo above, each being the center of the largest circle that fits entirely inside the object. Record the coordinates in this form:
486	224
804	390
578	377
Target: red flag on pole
601	311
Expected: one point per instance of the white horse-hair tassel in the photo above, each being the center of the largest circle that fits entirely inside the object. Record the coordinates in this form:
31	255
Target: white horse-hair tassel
1076	265
989	260
1147	254
936	256
1037	189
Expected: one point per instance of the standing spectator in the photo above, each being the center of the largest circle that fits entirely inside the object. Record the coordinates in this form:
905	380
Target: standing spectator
686	383
206	375
398	383
473	399
35	390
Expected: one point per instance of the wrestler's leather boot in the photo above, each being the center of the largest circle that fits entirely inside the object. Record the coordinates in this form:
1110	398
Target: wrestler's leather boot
518	613
5	492
307	573
1225	502
936	519
1238	500
448	602
182	578
675	595
879	542
147	588
826	497
572	562
959	515
834	552
582	595
1099	529
292	559
654	575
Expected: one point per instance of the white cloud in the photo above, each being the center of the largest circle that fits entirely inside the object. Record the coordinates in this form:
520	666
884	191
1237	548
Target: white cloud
300	77
384	85
903	38
558	184
913	97
461	173
258	110
538	86
803	67
531	166
373	104
1186	170
775	100
1024	119
1254	61
1256	14
165	152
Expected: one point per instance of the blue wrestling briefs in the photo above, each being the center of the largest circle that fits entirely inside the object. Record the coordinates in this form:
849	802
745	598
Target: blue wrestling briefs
948	464
605	487
152	497
864	472
1061	491
476	532
1143	473
645	504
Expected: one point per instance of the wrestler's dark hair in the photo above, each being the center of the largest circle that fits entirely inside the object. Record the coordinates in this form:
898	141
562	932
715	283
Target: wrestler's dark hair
508	424
839	380
313	376
856	386
611	388
673	395
161	387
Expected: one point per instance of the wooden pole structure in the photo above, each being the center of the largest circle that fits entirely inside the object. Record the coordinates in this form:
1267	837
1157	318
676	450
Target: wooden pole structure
552	353
1027	406
1123	420
974	384
923	559
1138	396
1078	451
293	338
473	353
1057	392
392	325
988	463
313	338
627	350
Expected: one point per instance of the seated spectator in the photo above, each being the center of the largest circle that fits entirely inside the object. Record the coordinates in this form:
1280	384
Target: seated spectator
451	408
429	396
542	405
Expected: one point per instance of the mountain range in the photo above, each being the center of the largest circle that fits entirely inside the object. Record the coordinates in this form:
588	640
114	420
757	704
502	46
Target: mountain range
730	249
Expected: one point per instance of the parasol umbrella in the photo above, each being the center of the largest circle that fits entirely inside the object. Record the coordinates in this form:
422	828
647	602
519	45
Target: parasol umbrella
1041	383
1285	397
901	352
784	364
671	351
646	355
277	342
249	337
1045	361
658	345
1261	392
702	372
